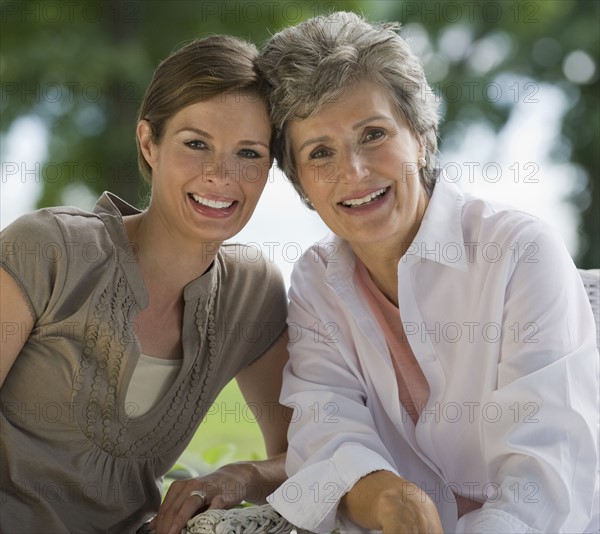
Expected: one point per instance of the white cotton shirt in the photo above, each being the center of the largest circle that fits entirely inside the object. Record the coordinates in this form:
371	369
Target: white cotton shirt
499	321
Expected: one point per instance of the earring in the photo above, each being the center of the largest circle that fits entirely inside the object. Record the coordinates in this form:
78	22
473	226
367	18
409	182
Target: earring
422	162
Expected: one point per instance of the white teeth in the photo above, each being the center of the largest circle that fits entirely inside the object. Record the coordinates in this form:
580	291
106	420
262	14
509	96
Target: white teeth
364	200
211	203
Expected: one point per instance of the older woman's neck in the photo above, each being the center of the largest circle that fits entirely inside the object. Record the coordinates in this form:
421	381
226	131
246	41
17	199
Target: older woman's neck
381	258
382	263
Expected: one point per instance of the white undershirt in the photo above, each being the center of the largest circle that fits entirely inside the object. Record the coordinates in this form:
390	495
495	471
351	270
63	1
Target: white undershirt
151	379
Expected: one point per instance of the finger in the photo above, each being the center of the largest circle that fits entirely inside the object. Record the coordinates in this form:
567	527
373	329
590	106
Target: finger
224	501
191	505
172	503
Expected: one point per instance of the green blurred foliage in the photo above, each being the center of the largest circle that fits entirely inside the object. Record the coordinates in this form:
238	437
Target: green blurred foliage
82	67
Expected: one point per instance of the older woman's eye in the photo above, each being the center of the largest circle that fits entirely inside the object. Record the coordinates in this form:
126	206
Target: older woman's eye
195	144
372	135
319	152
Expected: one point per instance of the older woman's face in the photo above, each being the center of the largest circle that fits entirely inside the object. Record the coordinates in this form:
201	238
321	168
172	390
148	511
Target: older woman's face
356	160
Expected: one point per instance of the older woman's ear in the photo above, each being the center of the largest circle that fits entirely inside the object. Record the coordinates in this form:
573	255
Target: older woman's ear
422	158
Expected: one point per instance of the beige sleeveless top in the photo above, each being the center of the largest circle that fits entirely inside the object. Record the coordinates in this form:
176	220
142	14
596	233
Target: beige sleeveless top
150	380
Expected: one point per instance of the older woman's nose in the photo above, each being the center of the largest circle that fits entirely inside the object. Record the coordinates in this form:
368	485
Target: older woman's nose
352	167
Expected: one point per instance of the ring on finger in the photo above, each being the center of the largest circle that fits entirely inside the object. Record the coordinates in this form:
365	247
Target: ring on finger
201	494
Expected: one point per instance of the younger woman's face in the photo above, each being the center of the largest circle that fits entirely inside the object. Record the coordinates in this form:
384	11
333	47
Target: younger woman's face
211	165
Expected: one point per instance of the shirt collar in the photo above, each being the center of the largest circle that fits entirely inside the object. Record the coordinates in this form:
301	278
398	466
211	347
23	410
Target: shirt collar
440	236
111	209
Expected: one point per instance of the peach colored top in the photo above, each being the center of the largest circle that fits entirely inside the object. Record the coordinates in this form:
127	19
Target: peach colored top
413	388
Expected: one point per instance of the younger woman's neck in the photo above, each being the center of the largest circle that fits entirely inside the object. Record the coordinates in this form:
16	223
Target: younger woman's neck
164	256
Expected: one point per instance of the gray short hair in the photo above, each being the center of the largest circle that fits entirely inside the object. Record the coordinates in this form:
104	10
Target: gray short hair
310	64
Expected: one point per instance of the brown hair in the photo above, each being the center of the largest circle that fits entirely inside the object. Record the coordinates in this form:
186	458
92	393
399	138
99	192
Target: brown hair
198	71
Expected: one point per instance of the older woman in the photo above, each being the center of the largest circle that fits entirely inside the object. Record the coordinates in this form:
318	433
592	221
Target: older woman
117	324
440	345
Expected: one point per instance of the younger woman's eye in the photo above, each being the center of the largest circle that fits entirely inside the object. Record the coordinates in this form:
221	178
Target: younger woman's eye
320	152
195	144
375	133
249	153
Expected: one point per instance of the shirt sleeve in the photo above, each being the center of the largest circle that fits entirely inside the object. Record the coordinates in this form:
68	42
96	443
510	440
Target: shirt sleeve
256	301
544	460
272	314
333	441
34	254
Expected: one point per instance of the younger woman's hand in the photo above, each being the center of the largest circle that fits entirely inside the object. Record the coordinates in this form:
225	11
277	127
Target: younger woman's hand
224	488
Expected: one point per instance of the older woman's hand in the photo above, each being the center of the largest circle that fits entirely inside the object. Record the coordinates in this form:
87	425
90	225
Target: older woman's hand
224	488
408	510
385	501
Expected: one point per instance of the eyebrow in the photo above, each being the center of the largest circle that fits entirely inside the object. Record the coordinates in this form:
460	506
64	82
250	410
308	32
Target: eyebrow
356	126
312	141
360	124
245	142
195	130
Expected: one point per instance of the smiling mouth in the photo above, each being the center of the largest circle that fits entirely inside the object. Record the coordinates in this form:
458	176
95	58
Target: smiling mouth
215	204
367	199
